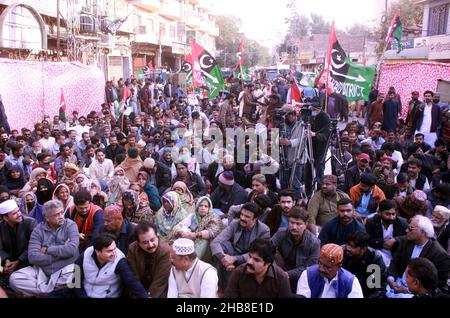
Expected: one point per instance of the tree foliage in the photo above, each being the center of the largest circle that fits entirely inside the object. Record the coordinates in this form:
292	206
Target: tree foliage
411	15
227	44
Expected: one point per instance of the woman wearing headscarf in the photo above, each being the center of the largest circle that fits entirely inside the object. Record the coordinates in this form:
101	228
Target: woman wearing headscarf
134	210
99	197
117	185
44	192
62	194
31	185
150	190
83	183
202	227
186	197
70	172
170	214
14	180
29	206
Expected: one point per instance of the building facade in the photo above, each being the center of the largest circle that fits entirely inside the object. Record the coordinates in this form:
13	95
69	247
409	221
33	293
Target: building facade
434	42
120	36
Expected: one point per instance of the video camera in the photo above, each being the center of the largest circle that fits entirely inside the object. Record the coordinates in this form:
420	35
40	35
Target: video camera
278	117
306	108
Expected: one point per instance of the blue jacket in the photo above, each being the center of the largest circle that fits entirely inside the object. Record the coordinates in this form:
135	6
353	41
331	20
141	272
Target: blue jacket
316	282
335	232
153	196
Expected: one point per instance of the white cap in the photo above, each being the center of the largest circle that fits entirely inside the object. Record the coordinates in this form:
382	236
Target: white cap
8	206
149	163
183	246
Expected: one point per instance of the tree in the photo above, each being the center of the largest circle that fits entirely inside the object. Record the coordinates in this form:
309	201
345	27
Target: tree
319	25
411	15
228	44
359	29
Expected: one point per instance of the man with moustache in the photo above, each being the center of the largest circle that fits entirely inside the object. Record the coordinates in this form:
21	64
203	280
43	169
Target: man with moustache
149	258
15	232
115	224
385	229
417	180
339	228
366	264
413	105
328	279
323	205
297	247
353	174
366	196
230	247
278	217
259	277
440	219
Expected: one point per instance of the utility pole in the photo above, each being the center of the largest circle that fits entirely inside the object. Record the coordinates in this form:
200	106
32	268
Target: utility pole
58	37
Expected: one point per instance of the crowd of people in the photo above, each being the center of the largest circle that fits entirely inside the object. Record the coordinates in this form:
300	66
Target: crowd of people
110	205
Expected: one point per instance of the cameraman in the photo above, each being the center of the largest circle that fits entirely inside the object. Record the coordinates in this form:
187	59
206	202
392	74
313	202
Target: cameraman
292	127
320	132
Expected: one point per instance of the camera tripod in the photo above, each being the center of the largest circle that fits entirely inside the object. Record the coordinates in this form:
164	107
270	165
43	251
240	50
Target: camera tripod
304	157
336	156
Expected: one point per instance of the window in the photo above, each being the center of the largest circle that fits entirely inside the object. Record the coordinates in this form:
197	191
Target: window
172	32
438	19
162	29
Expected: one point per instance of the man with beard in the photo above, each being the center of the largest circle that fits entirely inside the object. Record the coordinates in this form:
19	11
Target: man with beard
437	100
149	258
297	247
338	229
416	179
230	247
328	279
113	149
259	277
440	195
15	233
413	204
366	196
440	219
427	119
278	217
385	229
323	205
385	175
353	174
419	242
419	139
366	264
375	111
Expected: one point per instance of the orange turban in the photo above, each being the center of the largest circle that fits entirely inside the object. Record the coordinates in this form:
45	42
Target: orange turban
333	253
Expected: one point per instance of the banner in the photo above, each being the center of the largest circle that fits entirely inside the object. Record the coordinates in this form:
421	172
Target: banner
32	89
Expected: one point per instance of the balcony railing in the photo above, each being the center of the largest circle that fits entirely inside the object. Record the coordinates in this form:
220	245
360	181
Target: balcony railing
149	5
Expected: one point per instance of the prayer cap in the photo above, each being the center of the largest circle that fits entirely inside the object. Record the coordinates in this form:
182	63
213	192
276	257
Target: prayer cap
8	206
183	246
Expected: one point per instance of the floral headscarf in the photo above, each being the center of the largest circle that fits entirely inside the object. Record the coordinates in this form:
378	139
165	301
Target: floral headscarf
69	200
166	221
117	186
197	218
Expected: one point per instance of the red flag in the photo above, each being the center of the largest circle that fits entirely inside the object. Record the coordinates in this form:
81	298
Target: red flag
62	108
391	28
324	77
296	93
62	103
196	68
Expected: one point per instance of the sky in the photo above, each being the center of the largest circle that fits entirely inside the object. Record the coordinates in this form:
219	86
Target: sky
263	20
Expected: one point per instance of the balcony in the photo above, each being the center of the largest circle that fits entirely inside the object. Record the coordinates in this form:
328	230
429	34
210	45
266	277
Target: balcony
142	35
149	5
192	20
170	9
